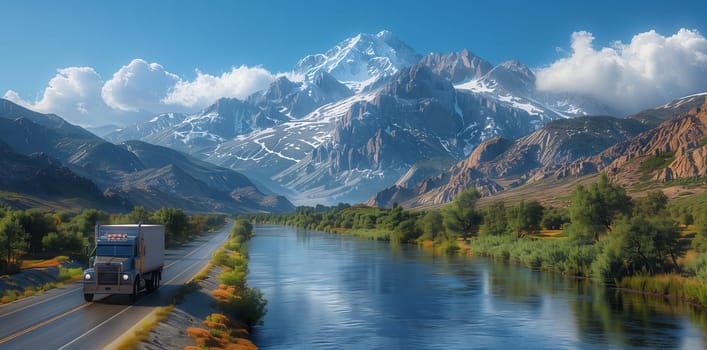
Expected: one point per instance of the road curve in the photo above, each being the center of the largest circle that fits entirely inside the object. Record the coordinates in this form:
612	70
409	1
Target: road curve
61	319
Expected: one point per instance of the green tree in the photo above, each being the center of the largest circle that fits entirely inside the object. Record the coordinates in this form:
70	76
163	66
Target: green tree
175	221
555	218
640	244
395	216
85	223
700	240
461	216
653	204
406	231
495	221
139	214
63	243
593	211
242	229
525	218
36	224
431	225
12	238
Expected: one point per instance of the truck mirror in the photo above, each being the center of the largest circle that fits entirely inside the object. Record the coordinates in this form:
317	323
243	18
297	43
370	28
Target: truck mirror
86	250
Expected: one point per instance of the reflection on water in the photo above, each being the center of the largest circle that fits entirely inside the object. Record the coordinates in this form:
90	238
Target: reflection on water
335	292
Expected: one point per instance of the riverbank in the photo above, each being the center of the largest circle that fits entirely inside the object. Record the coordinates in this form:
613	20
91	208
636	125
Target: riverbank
189	324
216	310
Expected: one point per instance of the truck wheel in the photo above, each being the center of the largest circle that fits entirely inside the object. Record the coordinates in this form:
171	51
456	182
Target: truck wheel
88	296
135	290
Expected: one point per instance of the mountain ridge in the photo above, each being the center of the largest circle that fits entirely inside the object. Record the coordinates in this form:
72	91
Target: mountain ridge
105	170
579	147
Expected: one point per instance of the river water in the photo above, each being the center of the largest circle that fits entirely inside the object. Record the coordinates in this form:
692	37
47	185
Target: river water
329	291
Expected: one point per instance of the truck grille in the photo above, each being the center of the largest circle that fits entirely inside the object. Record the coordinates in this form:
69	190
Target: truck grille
108	274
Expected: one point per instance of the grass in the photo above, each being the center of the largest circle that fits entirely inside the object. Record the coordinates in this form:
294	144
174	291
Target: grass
143	330
372	234
25	201
38	264
687	182
70	274
669	286
549	234
656	162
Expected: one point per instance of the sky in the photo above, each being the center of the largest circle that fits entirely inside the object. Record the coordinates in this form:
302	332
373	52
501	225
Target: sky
95	62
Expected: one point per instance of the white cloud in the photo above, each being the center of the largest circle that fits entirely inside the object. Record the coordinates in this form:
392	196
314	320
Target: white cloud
648	71
137	90
206	89
73	93
139	86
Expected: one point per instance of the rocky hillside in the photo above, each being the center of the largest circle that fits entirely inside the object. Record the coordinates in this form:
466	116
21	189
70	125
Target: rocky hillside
675	149
47	156
499	164
41	176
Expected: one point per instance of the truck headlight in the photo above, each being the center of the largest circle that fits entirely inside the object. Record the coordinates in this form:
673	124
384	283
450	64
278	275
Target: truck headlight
126	277
87	276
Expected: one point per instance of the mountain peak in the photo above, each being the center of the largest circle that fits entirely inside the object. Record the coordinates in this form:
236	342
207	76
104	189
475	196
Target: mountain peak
457	66
360	60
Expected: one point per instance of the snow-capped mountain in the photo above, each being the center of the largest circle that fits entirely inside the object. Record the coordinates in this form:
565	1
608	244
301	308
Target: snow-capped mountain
512	83
360	61
367	111
145	129
297	99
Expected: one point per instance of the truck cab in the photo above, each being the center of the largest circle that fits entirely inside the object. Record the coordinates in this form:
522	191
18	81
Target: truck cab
126	259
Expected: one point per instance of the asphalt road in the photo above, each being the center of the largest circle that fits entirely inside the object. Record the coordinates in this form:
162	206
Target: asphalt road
61	319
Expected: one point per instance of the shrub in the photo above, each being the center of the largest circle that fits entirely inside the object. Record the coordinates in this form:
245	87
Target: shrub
233	277
69	273
698	268
249	306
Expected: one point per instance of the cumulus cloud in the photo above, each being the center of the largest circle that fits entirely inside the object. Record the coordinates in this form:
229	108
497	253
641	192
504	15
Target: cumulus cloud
73	93
138	90
206	88
648	71
139	86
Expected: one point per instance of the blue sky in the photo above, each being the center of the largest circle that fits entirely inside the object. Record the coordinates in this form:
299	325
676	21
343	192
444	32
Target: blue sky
212	37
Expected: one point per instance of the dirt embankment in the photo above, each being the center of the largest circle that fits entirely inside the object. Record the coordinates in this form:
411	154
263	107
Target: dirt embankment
196	322
37	279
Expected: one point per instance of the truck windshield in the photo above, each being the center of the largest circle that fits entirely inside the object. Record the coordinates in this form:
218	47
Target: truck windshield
114	250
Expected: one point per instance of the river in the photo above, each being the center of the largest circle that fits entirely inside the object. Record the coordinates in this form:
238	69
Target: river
329	291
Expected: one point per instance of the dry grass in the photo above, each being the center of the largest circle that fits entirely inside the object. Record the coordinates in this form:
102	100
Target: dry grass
37	264
203	273
220	333
689	256
143	330
549	234
224	293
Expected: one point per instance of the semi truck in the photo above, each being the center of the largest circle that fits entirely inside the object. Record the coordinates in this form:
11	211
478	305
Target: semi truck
126	259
